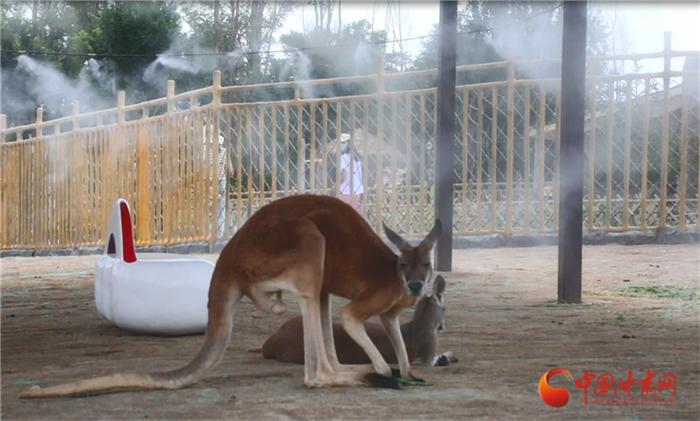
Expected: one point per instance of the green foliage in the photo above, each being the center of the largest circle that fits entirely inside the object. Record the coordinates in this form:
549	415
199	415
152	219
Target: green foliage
473	32
357	50
143	29
41	27
242	26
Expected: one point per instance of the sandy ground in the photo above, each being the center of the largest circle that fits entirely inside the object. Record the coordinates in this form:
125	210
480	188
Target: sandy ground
641	312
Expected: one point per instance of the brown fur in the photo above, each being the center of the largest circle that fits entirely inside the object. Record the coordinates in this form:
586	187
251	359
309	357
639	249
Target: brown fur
313	246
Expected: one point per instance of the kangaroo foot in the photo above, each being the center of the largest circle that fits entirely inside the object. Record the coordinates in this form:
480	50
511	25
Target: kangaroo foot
336	379
396	373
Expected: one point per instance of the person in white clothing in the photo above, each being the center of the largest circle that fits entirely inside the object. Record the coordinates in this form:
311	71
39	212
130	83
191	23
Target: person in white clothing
351	186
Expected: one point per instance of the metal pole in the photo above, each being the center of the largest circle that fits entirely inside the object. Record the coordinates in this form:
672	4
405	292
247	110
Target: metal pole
573	89
446	131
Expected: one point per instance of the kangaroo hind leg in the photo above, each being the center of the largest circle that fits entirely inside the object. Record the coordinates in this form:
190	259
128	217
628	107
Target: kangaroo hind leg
307	279
308	282
327	327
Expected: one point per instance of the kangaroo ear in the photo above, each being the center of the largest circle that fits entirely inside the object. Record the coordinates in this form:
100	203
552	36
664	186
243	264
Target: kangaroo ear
395	238
439	286
433	235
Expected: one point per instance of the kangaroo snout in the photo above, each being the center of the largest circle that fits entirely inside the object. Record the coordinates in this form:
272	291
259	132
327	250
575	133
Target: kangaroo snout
416	287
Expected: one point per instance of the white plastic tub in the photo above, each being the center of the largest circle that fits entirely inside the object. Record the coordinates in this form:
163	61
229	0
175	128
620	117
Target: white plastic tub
163	294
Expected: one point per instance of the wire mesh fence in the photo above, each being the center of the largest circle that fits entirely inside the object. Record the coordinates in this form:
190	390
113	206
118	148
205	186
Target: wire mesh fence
197	165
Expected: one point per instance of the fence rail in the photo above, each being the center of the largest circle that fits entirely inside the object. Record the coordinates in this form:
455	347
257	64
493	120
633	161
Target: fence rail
196	165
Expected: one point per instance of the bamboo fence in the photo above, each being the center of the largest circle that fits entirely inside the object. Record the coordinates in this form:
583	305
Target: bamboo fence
197	164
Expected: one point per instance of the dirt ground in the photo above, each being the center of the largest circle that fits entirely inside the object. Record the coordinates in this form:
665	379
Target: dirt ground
641	311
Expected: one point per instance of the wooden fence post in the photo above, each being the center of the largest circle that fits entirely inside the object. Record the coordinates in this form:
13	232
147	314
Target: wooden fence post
215	200
143	182
76	113
665	129
379	147
39	121
79	180
3	125
592	128
3	188
380	76
115	162
171	93
65	176
301	144
216	87
510	131
26	212
121	102
143	204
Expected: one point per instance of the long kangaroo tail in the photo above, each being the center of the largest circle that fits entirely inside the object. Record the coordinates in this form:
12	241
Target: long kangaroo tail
220	321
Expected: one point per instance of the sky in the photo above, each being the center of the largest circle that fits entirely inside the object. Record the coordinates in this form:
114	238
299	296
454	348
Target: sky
416	18
637	27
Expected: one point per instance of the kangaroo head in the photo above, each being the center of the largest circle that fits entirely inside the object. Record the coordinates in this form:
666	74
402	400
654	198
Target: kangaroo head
430	309
414	266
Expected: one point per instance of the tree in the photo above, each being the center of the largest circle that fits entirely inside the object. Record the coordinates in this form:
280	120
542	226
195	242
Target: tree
357	51
43	28
323	13
50	25
250	32
140	31
495	31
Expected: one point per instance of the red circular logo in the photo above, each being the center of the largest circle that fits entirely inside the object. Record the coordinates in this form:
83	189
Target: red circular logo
554	396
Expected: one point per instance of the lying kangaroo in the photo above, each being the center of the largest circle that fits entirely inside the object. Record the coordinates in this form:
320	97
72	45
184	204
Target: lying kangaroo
419	335
313	246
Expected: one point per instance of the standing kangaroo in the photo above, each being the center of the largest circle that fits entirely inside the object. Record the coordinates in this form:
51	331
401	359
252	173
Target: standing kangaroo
313	246
419	335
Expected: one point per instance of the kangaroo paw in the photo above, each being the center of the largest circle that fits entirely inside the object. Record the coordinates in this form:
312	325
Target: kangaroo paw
379	380
442	361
